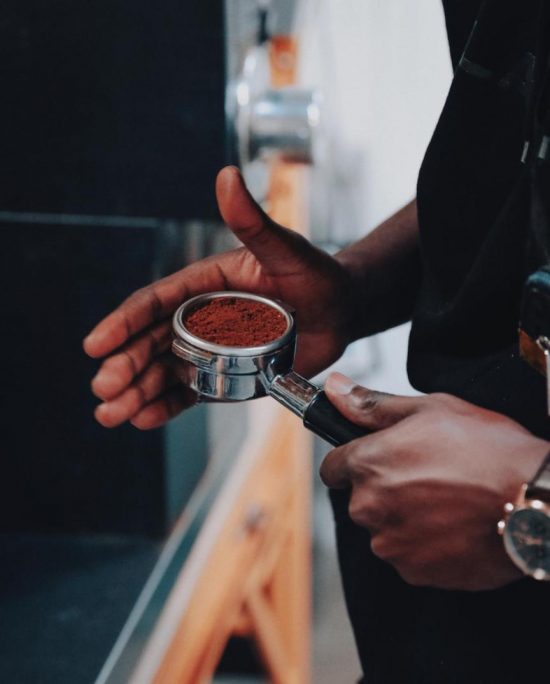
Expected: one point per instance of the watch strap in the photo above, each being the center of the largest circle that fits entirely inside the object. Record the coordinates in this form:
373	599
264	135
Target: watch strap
539	486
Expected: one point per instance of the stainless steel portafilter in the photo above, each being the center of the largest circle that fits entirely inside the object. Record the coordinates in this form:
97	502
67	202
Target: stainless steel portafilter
225	373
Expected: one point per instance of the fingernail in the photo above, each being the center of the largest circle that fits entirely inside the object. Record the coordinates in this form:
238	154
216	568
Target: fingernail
98	379
104	415
100	411
104	382
92	339
339	384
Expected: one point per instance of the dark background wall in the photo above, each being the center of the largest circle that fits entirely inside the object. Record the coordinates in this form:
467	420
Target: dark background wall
111	106
112	128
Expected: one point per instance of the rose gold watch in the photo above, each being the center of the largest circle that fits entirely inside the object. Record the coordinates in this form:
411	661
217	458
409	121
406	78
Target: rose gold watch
525	528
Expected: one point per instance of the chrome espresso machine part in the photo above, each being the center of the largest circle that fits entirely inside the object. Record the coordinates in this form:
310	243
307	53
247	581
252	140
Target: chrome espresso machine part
222	373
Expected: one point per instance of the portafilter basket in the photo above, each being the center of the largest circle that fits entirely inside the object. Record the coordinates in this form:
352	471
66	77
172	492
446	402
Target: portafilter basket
227	374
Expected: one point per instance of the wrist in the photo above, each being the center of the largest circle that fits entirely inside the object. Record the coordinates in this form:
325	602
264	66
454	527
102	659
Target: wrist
528	464
385	269
356	299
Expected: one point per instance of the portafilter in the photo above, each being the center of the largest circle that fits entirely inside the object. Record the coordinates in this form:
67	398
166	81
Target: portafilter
227	374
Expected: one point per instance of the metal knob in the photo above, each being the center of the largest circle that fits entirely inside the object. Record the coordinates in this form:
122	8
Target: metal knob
282	125
271	123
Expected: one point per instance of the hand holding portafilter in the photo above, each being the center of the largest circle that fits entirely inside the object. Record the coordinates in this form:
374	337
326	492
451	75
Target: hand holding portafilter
220	372
137	381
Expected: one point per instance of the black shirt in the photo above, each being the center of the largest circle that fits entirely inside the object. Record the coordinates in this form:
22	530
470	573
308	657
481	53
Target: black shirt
475	200
474	206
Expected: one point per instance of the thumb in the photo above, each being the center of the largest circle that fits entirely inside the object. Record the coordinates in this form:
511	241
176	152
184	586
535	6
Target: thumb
277	248
370	409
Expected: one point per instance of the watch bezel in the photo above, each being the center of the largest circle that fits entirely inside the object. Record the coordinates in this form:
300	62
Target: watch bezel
511	510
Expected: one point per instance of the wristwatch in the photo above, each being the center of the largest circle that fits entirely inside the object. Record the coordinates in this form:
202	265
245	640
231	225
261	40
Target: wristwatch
525	528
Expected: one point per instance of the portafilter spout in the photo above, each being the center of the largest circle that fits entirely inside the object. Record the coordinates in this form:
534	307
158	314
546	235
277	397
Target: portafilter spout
227	374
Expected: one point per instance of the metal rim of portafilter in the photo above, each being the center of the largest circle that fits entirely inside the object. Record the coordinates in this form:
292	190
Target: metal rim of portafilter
227	374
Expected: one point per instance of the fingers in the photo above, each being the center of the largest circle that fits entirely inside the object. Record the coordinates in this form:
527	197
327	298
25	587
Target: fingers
278	249
155	381
164	408
143	308
336	471
370	409
154	303
348	464
358	460
119	371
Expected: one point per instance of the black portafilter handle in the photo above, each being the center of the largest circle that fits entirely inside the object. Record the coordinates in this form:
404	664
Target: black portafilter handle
322	418
312	405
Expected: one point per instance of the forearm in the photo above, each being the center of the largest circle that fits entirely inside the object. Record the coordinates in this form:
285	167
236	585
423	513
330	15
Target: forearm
386	270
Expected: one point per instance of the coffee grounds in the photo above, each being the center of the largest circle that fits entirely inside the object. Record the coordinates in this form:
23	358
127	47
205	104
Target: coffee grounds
236	322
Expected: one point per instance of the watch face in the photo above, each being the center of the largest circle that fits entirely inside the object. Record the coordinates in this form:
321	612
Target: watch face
527	540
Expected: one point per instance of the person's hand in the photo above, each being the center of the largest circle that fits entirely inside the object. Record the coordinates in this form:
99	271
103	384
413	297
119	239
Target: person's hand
431	481
137	381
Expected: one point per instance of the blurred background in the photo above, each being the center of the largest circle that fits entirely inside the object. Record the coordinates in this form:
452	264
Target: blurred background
202	550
